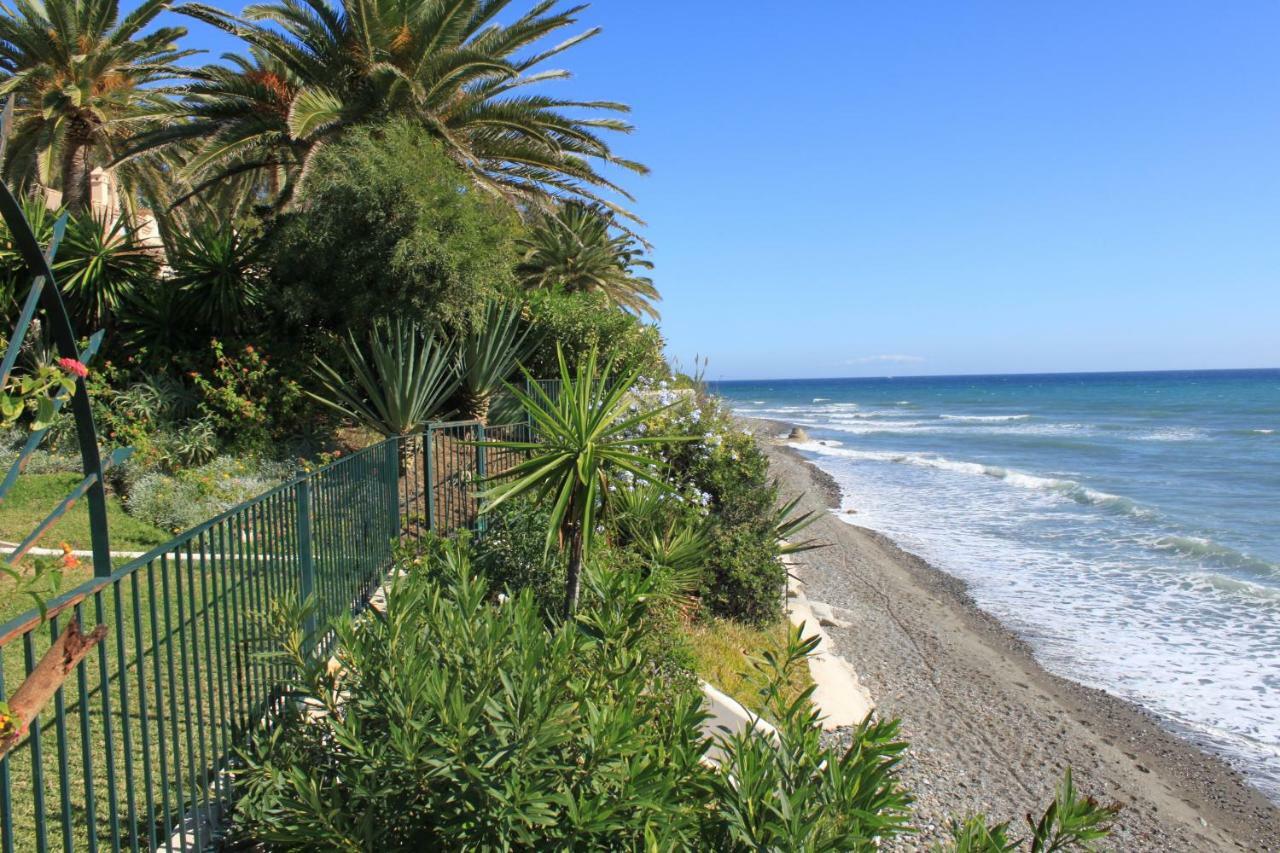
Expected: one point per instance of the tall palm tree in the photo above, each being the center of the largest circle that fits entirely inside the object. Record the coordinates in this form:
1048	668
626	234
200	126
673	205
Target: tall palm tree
84	78
320	66
577	250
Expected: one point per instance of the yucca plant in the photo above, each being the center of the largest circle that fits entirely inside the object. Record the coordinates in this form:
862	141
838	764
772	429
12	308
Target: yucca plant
100	264
489	355
217	271
585	436
394	382
786	525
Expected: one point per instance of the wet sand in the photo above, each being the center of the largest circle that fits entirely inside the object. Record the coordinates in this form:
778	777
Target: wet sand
990	730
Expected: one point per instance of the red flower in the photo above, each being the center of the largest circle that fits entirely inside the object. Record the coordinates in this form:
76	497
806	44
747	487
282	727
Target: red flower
73	366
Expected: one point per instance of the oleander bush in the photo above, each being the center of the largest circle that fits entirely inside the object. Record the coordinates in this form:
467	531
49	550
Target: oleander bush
456	720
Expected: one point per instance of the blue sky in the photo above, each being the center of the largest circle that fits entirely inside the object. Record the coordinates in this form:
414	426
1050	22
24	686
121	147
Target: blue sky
855	188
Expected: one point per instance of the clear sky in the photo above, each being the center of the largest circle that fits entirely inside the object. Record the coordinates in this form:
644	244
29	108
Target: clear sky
848	188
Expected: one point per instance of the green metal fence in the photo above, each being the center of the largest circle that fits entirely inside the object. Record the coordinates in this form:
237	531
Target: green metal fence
133	752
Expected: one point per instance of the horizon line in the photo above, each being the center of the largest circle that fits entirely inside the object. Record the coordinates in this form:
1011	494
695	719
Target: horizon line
1021	373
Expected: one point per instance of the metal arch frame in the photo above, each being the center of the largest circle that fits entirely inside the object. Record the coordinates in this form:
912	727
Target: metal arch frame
44	293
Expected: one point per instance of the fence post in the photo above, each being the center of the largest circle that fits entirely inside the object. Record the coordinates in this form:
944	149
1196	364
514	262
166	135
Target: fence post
528	416
428	477
480	475
393	485
306	563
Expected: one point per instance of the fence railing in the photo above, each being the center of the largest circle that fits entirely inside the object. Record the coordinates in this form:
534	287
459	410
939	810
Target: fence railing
133	752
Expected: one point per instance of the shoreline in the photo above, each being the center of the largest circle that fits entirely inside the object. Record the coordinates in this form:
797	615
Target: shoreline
990	729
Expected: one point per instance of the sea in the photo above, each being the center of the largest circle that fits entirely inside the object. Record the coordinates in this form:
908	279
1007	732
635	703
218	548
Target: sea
1126	525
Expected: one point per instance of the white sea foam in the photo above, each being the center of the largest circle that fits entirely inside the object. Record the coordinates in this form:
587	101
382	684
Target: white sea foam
982	419
1171	434
1068	488
1264	431
821	399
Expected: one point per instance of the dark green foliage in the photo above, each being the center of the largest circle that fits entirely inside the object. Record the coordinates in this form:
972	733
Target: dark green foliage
389	226
512	554
581	322
744	581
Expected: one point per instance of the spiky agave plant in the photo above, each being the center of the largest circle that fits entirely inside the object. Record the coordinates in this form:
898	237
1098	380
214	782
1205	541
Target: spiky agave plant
489	355
586	435
393	382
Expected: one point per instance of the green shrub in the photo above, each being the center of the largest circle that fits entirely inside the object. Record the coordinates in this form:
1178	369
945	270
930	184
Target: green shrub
249	402
725	470
581	322
745	580
453	721
388	226
512	555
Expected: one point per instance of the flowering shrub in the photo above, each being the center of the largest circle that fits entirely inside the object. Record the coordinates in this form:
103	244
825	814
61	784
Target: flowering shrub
246	399
724	476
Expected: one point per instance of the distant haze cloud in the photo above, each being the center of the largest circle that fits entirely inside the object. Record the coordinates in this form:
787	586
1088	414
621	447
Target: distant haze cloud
887	359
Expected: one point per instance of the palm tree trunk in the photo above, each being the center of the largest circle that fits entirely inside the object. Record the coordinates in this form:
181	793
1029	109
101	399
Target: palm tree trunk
574	573
75	166
474	406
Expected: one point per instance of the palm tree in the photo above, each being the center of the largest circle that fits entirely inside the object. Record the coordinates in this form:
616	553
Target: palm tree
320	66
576	250
84	79
231	128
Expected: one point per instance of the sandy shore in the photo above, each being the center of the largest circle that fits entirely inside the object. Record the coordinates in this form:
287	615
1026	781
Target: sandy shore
990	730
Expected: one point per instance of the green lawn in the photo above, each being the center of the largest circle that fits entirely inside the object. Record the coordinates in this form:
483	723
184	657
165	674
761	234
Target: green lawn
34	497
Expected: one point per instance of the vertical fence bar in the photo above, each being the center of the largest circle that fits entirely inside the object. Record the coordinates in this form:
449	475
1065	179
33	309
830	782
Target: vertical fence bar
479	478
306	568
428	479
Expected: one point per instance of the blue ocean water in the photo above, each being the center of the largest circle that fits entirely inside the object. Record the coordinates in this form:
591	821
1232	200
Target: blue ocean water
1124	524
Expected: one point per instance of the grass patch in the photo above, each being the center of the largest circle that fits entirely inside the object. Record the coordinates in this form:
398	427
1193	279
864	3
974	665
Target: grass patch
35	495
723	651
